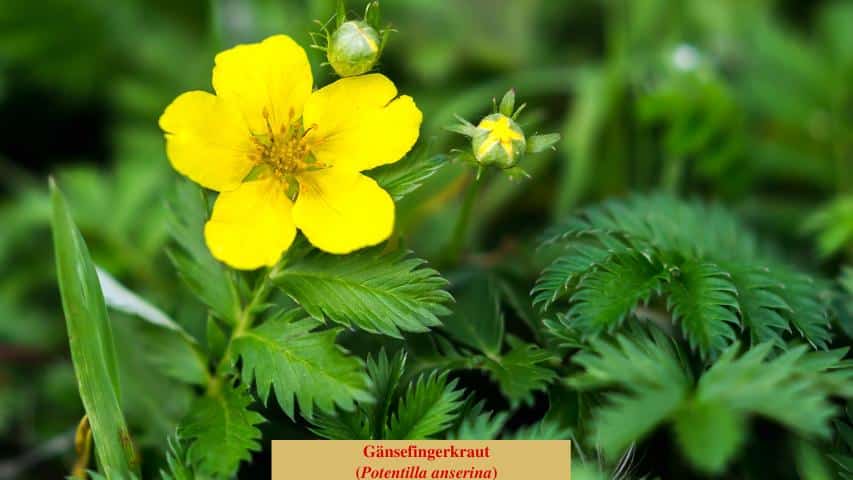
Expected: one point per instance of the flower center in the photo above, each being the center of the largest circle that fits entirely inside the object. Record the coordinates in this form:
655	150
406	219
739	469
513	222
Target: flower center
283	150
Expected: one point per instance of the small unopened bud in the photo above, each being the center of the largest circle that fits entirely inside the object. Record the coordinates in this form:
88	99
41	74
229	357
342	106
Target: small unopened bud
353	48
499	141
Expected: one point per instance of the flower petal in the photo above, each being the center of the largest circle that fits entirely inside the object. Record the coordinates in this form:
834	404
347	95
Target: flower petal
252	226
353	125
340	211
207	140
272	77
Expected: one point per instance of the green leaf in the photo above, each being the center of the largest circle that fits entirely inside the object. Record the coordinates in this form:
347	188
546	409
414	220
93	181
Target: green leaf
407	175
477	320
540	143
647	369
703	298
520	372
482	426
118	297
173	356
787	389
709	434
627	418
385	376
605	297
541	430
808	313
718	276
341	426
222	431
91	342
179	467
555	280
379	293
207	278
760	301
429	407
507	104
301	364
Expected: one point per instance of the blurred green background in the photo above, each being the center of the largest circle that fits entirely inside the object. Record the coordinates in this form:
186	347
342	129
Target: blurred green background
747	102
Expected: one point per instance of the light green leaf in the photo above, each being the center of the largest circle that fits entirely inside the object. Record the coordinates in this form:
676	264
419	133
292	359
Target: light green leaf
379	293
91	341
709	434
118	297
222	431
301	364
540	143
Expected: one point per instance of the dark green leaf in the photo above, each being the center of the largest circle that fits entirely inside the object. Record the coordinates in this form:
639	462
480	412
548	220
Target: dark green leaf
301	364
221	430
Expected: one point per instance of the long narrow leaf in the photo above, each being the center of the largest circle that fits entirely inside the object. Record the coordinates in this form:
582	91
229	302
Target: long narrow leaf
91	341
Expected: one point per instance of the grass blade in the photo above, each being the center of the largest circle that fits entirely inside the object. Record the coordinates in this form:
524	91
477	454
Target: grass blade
91	342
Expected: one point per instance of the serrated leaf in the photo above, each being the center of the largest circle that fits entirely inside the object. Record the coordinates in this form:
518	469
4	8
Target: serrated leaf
541	430
606	296
206	278
222	431
521	371
482	426
91	343
760	305
702	298
178	464
407	175
385	376
302	364
341	426
429	407
379	293
554	281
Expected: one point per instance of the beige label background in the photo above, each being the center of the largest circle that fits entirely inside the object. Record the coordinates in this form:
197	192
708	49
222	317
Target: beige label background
340	459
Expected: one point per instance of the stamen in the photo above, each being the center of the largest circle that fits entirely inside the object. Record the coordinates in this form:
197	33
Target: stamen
284	150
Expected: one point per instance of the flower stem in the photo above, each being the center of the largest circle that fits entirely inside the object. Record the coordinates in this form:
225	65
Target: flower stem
460	231
244	323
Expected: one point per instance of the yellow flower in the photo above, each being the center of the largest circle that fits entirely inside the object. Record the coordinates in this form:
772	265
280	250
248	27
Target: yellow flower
284	157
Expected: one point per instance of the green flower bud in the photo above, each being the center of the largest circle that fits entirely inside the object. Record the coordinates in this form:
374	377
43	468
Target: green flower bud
499	141
353	48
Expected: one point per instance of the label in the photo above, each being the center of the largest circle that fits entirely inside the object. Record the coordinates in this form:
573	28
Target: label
421	459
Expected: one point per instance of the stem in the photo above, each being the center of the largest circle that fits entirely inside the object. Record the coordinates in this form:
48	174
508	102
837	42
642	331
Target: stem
461	229
672	173
244	323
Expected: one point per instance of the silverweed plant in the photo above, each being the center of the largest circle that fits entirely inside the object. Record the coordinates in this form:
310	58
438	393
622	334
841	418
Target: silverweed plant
347	234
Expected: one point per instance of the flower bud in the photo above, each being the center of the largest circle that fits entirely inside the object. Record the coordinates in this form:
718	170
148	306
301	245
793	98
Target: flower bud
353	48
499	141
